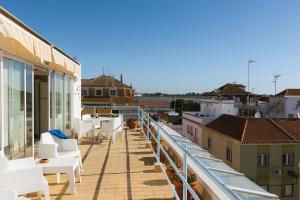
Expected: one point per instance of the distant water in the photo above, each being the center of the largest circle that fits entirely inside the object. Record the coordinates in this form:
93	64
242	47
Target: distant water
167	99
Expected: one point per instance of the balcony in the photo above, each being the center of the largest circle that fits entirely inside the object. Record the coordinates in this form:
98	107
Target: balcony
138	167
123	170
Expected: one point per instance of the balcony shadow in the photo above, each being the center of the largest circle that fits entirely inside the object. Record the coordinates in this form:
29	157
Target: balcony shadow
129	191
138	140
150	171
157	182
141	152
136	134
148	161
159	199
97	190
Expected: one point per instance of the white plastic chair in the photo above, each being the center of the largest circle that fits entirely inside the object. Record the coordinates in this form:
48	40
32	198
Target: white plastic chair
54	147
82	127
23	176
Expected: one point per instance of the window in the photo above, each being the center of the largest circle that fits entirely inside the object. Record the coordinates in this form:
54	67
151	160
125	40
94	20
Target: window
98	92
287	159
228	153
209	143
84	92
190	129
287	190
196	132
113	92
262	159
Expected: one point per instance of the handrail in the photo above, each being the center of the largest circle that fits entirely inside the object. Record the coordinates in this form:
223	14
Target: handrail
232	194
186	185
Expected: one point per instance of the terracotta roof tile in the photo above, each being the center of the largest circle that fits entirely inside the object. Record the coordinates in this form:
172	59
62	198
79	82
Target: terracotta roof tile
103	81
257	131
289	92
229	89
229	125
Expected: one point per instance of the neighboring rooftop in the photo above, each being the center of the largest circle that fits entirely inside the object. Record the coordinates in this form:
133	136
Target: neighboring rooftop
257	130
229	89
289	92
103	81
144	103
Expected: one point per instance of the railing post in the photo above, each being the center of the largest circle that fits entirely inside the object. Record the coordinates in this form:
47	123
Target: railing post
139	116
184	172
158	145
148	126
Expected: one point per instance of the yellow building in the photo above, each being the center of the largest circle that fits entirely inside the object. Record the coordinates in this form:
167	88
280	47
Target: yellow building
266	150
106	90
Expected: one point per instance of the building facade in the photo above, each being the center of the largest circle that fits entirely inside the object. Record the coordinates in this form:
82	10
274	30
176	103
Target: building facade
193	122
266	150
285	104
40	87
230	91
106	90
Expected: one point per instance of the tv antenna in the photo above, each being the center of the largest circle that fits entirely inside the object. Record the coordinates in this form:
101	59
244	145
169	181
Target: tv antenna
275	79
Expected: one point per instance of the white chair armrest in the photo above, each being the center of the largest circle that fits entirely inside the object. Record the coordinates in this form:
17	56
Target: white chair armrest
69	145
24	181
47	150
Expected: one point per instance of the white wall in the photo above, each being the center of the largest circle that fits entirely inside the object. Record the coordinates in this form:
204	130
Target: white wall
290	105
211	108
197	123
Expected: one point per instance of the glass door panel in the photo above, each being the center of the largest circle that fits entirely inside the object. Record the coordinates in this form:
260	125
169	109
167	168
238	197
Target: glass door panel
14	100
68	104
59	86
29	112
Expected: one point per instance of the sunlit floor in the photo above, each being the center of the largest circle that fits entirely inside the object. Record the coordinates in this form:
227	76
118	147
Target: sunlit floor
123	170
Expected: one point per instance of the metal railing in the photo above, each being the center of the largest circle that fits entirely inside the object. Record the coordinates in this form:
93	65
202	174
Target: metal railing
142	117
126	111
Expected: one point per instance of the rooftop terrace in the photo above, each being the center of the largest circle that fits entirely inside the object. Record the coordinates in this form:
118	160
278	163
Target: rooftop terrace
119	171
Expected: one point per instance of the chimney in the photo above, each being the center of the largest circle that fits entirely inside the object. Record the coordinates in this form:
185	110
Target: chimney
121	78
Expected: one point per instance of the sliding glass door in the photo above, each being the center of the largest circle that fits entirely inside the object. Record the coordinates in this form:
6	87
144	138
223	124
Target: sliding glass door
68	104
17	108
59	103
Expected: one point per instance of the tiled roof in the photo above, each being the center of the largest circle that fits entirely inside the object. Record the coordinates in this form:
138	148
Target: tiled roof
154	103
257	131
289	92
103	81
229	125
229	89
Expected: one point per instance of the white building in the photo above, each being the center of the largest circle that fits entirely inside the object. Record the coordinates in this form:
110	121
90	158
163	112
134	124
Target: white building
193	122
285	104
39	90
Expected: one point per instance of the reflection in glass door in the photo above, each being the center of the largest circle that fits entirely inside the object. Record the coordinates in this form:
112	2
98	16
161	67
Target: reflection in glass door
68	104
59	89
17	87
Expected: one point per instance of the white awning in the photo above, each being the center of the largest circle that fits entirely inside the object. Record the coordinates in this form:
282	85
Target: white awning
17	38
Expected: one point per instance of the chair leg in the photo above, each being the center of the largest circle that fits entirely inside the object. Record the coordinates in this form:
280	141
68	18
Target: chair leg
46	190
80	163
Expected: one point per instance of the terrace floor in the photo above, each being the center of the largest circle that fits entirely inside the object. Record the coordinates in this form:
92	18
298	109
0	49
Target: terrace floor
123	170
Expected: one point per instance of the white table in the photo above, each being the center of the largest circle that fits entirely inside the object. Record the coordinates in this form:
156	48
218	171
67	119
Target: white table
68	166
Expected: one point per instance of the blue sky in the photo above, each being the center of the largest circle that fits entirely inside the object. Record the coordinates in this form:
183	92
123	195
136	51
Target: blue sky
174	46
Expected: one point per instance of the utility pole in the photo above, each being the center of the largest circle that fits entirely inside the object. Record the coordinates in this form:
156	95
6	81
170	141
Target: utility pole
275	77
250	61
